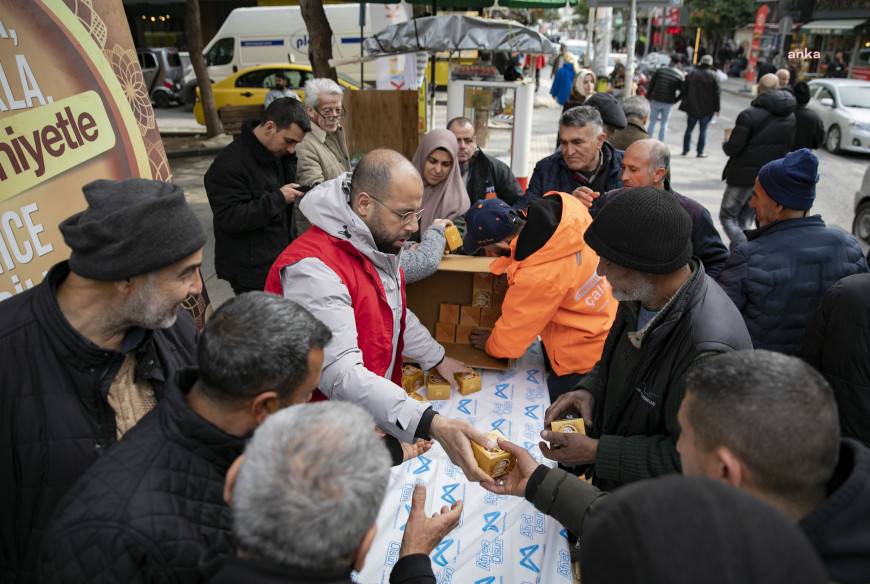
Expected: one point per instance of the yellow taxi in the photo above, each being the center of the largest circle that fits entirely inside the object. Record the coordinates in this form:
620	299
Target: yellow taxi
250	86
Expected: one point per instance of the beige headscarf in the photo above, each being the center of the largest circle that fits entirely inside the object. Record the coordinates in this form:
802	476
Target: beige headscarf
447	200
578	82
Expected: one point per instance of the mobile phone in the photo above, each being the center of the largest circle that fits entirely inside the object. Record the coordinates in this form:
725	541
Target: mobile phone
306	188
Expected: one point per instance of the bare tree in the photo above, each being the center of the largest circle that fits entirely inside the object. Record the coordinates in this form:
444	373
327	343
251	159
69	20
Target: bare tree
194	48
319	38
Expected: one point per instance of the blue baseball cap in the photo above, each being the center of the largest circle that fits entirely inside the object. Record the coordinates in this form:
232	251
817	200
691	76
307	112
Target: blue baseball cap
486	222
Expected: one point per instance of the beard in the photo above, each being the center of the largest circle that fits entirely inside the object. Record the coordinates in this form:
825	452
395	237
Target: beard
148	310
385	241
640	290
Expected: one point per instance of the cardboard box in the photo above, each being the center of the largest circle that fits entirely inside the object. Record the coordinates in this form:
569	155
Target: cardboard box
454	240
497	462
500	282
469	382
412	379
463	334
482	281
445	332
488	317
448	313
437	387
469	316
481	298
498	299
452	284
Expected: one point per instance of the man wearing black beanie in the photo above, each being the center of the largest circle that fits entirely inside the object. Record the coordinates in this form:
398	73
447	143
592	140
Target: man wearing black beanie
778	277
671	317
90	350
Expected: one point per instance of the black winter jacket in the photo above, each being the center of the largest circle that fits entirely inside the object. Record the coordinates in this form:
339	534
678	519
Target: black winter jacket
839	528
490	177
778	277
700	93
252	220
809	130
54	412
150	508
837	343
665	85
639	382
763	132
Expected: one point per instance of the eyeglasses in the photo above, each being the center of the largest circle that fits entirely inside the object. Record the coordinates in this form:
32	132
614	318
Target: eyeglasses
405	217
332	114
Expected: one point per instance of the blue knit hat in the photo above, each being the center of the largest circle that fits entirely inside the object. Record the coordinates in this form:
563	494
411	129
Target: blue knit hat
486	222
791	181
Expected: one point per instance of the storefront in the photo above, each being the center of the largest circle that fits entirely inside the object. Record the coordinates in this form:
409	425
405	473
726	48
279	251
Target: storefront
818	41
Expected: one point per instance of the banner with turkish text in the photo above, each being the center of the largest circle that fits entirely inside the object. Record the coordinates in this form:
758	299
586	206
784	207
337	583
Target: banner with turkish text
760	18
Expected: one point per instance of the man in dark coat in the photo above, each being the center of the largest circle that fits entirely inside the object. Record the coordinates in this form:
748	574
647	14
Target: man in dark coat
767	423
777	278
664	90
585	162
90	350
763	132
485	177
671	317
332	506
150	508
837	343
809	130
636	110
700	100
251	189
836	68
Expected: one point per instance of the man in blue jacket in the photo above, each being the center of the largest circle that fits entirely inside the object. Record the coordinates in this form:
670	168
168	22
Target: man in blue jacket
778	277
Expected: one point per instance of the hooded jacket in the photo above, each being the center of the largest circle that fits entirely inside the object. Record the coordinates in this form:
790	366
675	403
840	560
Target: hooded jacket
310	281
665	85
489	177
778	277
763	132
700	93
553	289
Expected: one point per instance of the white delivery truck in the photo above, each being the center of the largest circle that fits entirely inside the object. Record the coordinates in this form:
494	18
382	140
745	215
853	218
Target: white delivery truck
277	34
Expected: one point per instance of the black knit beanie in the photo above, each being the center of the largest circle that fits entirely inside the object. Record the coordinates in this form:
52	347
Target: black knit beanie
130	227
643	229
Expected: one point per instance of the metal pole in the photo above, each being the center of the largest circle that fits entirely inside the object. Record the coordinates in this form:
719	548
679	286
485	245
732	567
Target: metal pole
649	17
697	40
629	48
362	23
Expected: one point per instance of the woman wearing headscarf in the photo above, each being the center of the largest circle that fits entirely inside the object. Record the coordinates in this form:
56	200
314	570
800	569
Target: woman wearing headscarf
583	87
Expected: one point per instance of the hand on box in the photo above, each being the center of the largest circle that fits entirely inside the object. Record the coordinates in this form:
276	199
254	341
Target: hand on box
585	195
478	338
574	402
414	450
574	450
514	483
454	436
423	533
448	367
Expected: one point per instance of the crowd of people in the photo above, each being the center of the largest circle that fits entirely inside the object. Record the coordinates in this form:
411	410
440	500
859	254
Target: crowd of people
138	448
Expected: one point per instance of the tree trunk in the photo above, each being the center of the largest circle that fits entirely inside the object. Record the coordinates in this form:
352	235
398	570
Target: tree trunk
319	38
194	47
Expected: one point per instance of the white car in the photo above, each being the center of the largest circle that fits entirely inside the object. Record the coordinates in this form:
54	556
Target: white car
844	106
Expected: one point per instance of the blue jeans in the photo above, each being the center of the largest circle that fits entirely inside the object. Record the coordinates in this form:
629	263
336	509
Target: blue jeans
735	214
656	109
702	137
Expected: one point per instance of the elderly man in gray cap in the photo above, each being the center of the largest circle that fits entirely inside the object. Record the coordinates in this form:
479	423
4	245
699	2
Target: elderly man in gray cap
86	353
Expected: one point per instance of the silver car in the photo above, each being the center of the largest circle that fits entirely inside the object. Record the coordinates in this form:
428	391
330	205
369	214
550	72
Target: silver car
844	106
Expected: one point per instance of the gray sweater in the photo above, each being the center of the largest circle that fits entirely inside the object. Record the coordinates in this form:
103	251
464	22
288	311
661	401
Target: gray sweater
424	261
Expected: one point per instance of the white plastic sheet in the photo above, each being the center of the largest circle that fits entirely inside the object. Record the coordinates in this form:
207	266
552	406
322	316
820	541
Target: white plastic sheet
500	539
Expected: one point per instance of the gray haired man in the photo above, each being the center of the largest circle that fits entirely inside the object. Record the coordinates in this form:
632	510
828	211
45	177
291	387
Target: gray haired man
151	507
321	468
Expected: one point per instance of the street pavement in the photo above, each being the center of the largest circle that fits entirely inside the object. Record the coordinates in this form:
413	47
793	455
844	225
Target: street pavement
698	178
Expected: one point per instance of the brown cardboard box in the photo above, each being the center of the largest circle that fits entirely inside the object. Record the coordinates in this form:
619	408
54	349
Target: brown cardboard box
497	462
412	378
481	298
500	282
498	299
452	284
469	316
463	334
448	313
469	382
454	240
482	281
437	387
445	332
488	317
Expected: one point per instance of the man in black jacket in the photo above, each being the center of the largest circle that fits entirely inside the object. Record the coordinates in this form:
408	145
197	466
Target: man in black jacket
88	352
809	130
149	509
763	132
332	506
251	188
699	98
663	91
767	423
485	177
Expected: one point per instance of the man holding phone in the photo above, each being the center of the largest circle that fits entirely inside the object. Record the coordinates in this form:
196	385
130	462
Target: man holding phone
251	187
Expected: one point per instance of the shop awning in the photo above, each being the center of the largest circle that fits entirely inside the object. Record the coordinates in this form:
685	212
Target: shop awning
832	26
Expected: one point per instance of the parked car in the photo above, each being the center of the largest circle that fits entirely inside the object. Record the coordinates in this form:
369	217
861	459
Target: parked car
861	224
844	106
163	75
250	86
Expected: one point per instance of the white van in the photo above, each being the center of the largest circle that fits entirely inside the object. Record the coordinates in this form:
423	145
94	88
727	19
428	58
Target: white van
277	34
